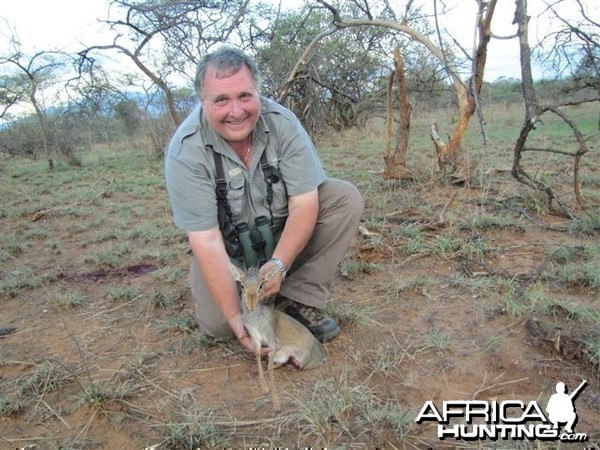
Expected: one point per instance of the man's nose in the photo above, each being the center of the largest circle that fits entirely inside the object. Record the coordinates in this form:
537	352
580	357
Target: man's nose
235	107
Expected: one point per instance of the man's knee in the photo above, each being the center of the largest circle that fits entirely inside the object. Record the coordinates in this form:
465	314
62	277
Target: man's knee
208	316
343	195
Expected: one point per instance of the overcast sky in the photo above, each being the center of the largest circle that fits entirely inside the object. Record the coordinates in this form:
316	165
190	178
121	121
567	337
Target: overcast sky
64	24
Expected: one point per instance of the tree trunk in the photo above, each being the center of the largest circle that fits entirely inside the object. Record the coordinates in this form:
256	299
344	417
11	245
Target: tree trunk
395	164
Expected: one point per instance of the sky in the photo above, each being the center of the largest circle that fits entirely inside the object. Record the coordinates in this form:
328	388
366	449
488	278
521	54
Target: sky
51	26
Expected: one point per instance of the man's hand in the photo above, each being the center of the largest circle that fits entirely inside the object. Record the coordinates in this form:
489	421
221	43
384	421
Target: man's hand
272	285
242	335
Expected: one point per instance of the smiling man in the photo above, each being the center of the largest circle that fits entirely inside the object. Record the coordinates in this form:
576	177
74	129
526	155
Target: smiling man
246	184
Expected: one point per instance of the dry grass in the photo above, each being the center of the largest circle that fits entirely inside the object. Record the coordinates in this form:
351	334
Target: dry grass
107	353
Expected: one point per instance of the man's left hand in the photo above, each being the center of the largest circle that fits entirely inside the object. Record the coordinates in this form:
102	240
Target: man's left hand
272	286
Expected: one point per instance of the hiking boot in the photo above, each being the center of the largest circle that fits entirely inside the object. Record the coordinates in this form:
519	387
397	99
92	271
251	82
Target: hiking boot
324	328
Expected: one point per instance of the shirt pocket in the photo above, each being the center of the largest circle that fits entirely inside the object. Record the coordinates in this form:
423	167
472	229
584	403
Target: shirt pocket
235	195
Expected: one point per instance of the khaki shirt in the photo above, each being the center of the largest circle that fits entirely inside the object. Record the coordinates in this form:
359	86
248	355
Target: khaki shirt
191	175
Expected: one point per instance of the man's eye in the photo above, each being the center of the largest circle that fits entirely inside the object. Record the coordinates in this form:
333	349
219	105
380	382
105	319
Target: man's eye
221	101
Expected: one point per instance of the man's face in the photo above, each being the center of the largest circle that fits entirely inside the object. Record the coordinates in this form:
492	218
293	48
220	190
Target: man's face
231	104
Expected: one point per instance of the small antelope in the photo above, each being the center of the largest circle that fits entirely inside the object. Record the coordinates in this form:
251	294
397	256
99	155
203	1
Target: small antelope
287	339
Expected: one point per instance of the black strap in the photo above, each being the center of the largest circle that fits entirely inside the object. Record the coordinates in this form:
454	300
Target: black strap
225	217
272	176
224	211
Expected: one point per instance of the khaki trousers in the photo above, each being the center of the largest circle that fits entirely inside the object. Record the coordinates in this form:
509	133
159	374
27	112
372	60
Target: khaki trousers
310	278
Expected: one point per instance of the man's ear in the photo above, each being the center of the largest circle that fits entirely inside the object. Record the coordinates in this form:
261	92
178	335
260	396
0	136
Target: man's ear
237	273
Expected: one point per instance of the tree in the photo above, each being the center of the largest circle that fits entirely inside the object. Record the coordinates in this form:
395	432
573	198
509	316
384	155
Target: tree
33	83
450	155
395	162
164	39
573	49
534	111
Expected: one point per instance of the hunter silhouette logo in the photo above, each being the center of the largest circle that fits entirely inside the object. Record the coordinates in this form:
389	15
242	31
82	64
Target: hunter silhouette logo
560	406
508	419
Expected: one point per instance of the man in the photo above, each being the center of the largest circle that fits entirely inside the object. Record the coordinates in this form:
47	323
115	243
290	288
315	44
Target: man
268	167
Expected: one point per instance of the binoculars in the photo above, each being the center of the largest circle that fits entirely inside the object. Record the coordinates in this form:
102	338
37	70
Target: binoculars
255	245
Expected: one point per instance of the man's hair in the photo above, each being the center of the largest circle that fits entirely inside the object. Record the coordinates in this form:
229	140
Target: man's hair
225	61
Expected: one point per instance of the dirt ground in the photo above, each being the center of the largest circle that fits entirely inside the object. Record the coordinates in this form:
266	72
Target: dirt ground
448	293
415	328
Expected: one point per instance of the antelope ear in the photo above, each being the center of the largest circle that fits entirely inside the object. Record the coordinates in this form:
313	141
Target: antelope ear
237	273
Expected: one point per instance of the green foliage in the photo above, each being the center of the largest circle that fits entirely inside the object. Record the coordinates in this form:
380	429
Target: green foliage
197	430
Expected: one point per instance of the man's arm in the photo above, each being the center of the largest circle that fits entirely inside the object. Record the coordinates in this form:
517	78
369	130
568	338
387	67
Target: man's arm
209	251
303	211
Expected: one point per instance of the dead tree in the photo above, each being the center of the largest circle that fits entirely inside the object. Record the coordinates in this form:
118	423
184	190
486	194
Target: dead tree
451	156
395	163
453	161
533	113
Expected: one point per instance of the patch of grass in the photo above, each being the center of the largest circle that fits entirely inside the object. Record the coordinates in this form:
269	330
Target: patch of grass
348	312
386	359
98	394
197	430
352	269
475	247
122	293
445	246
406	231
10	407
587	224
11	246
575	311
164	301
46	377
14	283
410	284
336	408
104	258
593	352
573	266
520	300
491	343
74	299
178	324
474	285
483	222
570	253
536	202
392	416
331	407
574	274
436	341
196	341
414	246
171	274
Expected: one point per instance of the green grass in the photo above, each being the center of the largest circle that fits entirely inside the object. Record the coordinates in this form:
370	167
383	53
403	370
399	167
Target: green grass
572	266
521	300
436	341
139	365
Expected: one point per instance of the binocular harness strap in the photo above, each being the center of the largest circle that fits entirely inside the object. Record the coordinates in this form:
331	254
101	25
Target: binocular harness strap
224	214
224	211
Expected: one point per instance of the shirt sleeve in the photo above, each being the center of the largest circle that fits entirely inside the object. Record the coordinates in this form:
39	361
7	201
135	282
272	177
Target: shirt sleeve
299	162
191	189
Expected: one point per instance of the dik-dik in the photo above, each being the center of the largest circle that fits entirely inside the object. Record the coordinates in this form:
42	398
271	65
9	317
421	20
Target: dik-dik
287	339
